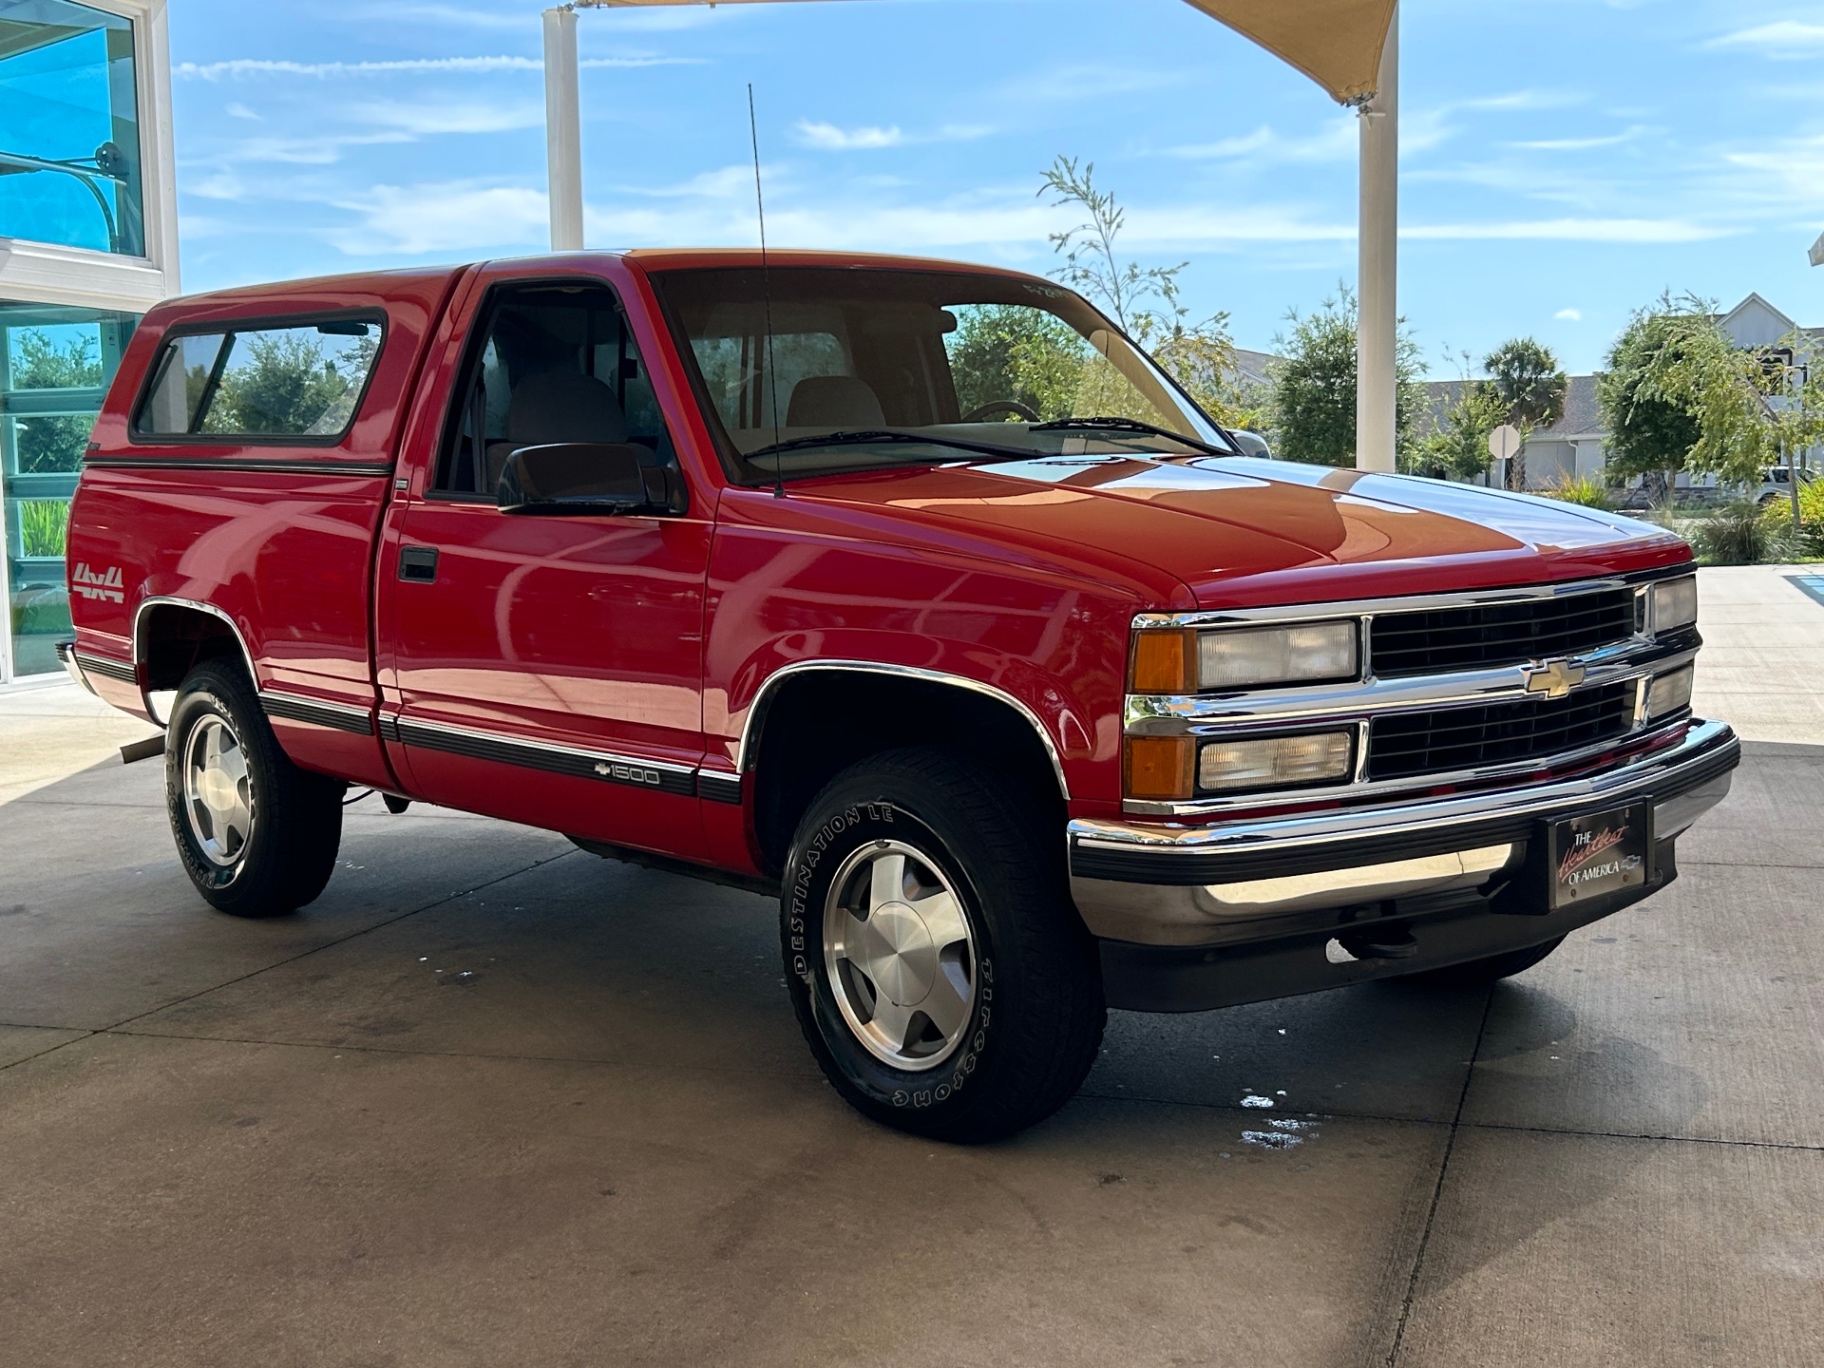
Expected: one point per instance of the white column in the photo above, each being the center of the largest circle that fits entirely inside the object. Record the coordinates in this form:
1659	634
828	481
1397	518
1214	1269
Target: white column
563	131
1377	285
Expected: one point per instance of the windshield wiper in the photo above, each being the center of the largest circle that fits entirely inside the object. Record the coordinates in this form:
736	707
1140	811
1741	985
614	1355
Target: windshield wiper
881	437
1127	425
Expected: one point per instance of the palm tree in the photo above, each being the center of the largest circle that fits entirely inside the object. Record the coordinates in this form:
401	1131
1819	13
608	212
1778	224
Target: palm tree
1525	378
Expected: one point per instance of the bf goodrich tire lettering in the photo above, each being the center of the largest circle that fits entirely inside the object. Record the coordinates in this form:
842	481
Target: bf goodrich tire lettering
257	835
939	972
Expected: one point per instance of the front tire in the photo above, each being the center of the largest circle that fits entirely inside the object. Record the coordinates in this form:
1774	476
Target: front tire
257	835
937	967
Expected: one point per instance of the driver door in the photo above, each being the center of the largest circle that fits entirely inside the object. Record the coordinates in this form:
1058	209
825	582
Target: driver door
548	669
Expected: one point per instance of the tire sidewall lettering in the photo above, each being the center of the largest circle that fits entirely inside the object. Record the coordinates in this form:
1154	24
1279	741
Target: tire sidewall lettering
830	843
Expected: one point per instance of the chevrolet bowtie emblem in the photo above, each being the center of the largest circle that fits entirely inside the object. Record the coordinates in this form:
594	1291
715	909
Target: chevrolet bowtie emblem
1554	679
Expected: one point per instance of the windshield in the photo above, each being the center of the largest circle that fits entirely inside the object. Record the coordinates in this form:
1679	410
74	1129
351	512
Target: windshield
875	366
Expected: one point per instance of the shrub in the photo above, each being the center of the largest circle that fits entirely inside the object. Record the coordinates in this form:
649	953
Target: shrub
1739	533
1579	489
43	525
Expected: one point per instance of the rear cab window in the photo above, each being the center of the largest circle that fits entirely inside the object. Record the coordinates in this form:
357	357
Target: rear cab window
293	382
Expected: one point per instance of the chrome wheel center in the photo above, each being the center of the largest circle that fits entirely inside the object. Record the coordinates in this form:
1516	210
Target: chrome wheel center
900	955
218	793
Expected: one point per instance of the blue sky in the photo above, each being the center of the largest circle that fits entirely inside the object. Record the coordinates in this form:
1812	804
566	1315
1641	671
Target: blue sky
1563	161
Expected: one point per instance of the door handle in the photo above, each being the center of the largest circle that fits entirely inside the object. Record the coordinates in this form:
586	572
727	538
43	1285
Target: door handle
418	564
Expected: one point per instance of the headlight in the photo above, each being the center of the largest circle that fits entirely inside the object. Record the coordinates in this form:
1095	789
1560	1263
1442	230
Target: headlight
1177	769
1246	658
1670	692
1275	762
1674	604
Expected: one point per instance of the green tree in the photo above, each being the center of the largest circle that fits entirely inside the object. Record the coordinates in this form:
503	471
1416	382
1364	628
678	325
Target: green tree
1312	407
53	444
1649	435
1146	302
285	383
1010	351
1525	377
1457	449
1747	403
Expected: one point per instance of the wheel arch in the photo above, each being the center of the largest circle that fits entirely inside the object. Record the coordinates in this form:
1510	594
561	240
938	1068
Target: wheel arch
171	636
852	709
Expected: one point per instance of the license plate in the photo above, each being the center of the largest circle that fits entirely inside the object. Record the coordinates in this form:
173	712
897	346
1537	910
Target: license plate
1600	854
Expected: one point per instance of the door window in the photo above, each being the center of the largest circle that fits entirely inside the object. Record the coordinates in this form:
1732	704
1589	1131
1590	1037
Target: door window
552	363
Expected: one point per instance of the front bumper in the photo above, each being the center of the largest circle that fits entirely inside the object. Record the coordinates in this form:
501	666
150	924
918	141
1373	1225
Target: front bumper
1472	862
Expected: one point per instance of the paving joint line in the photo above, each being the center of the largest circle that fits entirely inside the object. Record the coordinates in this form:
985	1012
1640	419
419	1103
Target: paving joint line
293	959
1437	1192
405	1052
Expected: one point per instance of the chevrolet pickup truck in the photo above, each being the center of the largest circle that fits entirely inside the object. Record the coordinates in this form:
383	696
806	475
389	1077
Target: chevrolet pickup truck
912	594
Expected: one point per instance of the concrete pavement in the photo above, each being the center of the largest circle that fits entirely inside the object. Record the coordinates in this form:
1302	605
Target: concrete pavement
492	1100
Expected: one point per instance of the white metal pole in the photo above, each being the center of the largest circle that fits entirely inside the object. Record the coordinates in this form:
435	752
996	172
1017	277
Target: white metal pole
563	131
1378	279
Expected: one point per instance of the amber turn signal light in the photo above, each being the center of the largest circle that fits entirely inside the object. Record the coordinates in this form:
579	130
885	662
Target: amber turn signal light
1164	663
1160	768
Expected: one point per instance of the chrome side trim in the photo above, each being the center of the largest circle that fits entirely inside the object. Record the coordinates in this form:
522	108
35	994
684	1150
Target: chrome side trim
756	711
662	776
118	670
1703	745
1307	612
317	712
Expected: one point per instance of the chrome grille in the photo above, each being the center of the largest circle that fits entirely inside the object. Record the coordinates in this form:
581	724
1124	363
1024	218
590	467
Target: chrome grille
1438	741
1437	641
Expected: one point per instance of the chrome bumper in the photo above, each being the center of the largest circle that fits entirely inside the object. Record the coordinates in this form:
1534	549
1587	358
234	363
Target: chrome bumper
66	656
1158	884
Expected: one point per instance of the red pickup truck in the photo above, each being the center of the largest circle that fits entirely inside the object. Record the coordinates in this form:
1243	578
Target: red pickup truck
911	593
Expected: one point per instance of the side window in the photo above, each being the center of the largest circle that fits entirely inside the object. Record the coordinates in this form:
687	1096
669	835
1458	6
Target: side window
551	364
302	380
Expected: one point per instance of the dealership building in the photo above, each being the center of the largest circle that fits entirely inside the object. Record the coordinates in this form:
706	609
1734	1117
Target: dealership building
88	242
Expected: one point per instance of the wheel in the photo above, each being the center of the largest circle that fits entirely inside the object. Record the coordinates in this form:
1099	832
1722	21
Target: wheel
256	834
1477	973
937	967
1000	406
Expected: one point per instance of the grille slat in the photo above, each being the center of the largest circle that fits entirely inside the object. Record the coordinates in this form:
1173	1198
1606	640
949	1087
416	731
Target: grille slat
1496	634
1405	745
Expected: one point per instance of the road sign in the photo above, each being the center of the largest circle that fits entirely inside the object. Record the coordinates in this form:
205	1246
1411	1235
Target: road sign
1504	442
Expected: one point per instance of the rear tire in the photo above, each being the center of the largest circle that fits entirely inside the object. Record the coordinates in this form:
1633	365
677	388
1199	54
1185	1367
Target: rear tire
938	969
257	835
1480	973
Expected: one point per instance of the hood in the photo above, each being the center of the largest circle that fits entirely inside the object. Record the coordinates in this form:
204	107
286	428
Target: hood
1240	532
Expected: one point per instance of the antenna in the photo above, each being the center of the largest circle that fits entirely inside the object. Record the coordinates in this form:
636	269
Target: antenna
766	291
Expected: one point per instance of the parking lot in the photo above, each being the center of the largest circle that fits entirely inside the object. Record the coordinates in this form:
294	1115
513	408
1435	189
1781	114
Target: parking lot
492	1100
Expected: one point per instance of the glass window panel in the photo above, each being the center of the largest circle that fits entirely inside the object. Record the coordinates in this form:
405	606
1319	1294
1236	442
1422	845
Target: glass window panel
55	365
69	127
302	381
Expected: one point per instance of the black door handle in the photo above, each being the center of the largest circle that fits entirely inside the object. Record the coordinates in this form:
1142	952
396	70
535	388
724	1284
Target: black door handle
418	564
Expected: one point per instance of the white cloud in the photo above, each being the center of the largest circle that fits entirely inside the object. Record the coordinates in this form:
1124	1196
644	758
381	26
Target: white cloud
1785	39
1337	141
469	116
241	67
1579	144
449	217
236	110
828	137
1569	315
1635	230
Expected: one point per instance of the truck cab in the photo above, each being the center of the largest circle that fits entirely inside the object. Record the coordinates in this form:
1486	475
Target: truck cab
911	594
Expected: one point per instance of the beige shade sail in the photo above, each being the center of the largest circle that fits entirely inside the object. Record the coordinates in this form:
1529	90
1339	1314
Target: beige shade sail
1337	43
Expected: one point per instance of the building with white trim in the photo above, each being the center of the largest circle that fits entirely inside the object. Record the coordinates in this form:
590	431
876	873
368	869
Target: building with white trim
88	242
